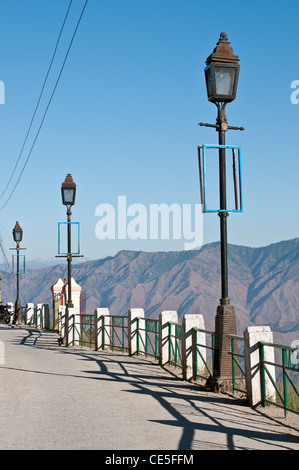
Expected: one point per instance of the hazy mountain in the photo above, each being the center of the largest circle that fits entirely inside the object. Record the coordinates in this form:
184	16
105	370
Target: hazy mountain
263	284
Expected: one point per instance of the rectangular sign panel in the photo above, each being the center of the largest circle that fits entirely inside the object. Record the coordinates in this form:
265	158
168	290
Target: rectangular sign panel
208	160
63	228
22	264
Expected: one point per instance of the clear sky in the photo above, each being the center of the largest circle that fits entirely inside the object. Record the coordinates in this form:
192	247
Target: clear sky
124	117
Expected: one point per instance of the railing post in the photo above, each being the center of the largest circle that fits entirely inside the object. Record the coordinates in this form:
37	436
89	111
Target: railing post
10	306
253	367
102	321
45	316
190	322
232	343
136	337
73	319
39	317
284	379
164	340
29	313
74	327
61	320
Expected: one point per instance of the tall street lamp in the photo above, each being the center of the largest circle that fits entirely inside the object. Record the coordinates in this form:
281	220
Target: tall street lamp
221	74
68	194
17	236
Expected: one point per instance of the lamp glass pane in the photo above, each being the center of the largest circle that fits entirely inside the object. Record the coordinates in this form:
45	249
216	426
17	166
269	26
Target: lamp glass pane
17	235
68	196
209	82
225	79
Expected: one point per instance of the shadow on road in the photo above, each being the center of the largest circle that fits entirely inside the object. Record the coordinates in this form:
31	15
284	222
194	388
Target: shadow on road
206	420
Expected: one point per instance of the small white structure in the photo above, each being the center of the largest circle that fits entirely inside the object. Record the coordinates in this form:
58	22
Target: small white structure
252	336
188	348
58	300
60	297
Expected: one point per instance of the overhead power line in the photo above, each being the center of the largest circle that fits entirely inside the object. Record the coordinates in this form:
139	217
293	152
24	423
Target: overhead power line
39	99
48	105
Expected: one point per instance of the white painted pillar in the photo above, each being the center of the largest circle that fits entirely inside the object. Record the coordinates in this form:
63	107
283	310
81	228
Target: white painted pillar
46	316
61	320
164	318
29	313
74	327
102	327
133	333
58	297
199	362
190	322
11	310
252	336
39	315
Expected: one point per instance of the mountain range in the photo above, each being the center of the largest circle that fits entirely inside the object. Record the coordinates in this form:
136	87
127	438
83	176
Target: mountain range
263	284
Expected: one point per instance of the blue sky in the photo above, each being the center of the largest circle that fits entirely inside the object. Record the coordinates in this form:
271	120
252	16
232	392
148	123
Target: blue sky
124	118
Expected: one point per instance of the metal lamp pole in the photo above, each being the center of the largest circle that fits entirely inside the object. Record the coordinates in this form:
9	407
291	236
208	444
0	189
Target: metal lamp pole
18	302
17	235
221	126
68	193
69	258
221	74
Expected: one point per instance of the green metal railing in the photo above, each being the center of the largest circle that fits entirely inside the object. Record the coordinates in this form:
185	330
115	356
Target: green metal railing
175	344
289	365
39	317
208	362
148	341
23	314
116	331
83	332
87	331
34	316
238	369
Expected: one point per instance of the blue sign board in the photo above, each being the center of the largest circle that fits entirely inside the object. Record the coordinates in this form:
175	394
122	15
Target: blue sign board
237	179
22	264
75	231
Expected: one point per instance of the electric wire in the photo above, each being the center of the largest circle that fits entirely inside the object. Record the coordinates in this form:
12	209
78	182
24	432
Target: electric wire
48	105
6	270
39	99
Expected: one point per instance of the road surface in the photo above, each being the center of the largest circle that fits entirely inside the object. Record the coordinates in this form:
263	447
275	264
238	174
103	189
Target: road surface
59	398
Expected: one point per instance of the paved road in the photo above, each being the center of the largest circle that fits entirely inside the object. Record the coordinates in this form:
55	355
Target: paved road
63	398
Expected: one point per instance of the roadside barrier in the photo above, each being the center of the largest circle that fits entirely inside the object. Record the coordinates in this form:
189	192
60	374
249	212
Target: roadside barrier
268	372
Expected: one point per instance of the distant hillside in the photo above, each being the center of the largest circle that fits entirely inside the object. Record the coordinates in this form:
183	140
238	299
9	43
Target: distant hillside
263	284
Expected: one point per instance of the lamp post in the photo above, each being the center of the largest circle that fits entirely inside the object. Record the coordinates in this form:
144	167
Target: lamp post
17	236
68	194
221	73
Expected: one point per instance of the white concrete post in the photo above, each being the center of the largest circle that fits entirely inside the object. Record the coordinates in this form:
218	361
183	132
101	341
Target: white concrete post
190	322
39	317
200	351
164	318
252	336
61	320
133	333
58	294
74	327
102	327
29	313
46	316
11	310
